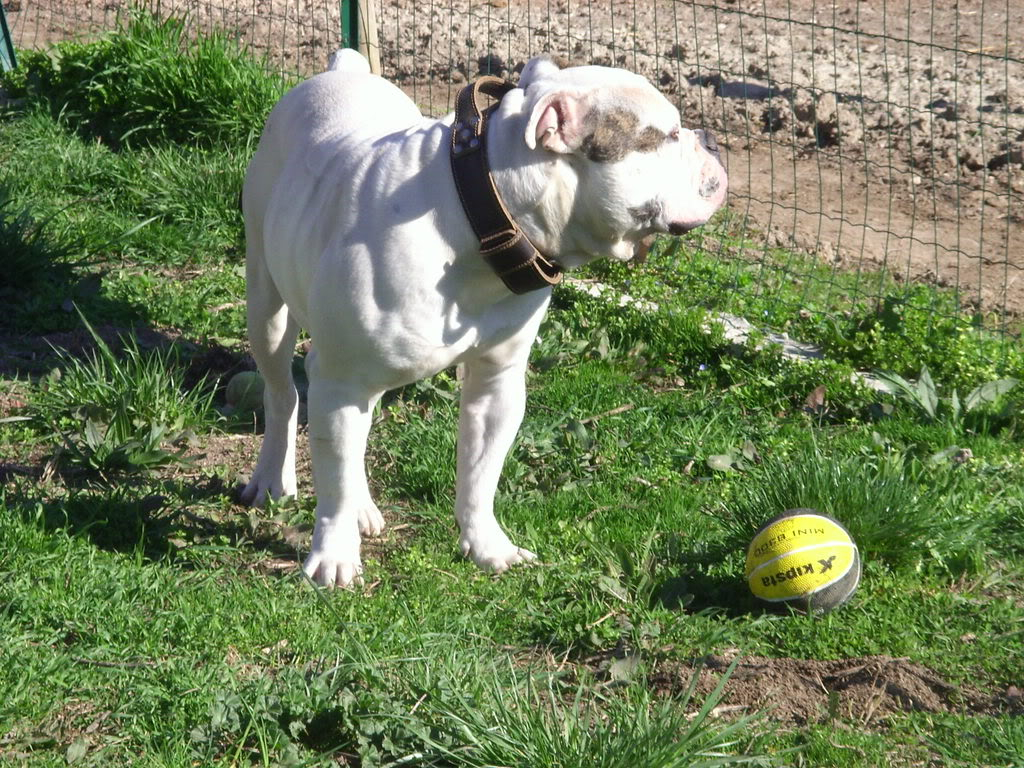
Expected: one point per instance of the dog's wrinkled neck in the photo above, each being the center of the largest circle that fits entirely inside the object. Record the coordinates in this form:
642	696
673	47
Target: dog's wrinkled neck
503	244
538	188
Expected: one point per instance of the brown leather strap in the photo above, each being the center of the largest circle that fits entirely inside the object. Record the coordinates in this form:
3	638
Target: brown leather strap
503	245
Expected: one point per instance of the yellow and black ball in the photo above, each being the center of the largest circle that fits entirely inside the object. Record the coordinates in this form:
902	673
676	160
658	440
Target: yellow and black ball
804	559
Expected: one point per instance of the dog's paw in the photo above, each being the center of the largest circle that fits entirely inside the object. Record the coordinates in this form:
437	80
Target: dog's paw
494	552
334	559
263	487
331	572
371	521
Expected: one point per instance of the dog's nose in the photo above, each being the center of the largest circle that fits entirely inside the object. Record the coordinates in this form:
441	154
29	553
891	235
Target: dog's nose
707	140
709	187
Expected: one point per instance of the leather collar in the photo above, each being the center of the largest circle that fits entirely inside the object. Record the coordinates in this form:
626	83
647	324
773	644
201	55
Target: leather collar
503	244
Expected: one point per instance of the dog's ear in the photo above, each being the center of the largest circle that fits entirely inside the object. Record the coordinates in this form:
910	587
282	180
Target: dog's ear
538	68
556	122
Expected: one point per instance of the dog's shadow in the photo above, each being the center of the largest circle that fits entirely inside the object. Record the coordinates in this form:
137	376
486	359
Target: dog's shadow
157	520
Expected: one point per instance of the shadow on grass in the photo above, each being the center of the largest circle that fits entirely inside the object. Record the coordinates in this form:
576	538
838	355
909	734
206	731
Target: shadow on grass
35	319
30	351
47	272
135	518
720	593
705	579
51	278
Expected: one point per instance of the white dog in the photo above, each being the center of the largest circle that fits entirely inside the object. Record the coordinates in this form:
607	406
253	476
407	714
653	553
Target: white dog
356	233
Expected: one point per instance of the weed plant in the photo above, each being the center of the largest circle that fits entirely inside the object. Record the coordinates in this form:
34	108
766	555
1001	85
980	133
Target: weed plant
984	409
867	322
119	412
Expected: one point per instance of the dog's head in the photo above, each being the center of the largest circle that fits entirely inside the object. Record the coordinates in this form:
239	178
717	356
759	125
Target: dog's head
619	143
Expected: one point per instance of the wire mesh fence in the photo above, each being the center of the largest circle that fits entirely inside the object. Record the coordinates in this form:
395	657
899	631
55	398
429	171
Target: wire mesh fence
883	140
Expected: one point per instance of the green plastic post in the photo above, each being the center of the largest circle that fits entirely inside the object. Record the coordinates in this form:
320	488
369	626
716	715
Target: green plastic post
350	24
7	59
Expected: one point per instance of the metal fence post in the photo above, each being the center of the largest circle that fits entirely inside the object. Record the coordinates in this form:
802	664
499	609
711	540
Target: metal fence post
359	30
350	24
7	59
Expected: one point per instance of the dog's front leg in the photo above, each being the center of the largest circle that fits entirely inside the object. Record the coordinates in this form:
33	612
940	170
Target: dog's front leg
491	409
339	422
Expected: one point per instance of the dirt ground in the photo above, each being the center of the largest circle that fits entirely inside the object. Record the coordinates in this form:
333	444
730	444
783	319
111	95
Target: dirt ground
869	138
865	690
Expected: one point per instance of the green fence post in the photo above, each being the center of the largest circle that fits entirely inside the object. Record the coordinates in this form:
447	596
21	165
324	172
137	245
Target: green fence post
350	24
7	60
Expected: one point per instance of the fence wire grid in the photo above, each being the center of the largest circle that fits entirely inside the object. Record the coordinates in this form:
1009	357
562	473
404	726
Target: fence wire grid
872	135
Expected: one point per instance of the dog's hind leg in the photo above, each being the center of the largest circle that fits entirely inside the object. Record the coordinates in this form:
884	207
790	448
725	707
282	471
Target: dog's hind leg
272	334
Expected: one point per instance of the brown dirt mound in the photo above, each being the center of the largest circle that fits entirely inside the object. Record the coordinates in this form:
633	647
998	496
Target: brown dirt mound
797	691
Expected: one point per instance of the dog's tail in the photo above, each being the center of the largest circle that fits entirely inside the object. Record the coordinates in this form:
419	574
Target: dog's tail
348	60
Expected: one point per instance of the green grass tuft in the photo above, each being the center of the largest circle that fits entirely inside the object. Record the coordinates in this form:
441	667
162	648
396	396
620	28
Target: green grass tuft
118	413
901	510
149	83
545	722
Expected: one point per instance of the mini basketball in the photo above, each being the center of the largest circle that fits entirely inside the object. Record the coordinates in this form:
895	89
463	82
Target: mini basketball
804	559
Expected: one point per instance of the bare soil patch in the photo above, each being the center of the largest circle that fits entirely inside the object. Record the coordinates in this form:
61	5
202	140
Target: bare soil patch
863	690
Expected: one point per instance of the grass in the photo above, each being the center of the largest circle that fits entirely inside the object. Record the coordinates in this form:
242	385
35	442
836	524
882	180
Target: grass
150	620
535	727
33	254
114	413
124	90
867	321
